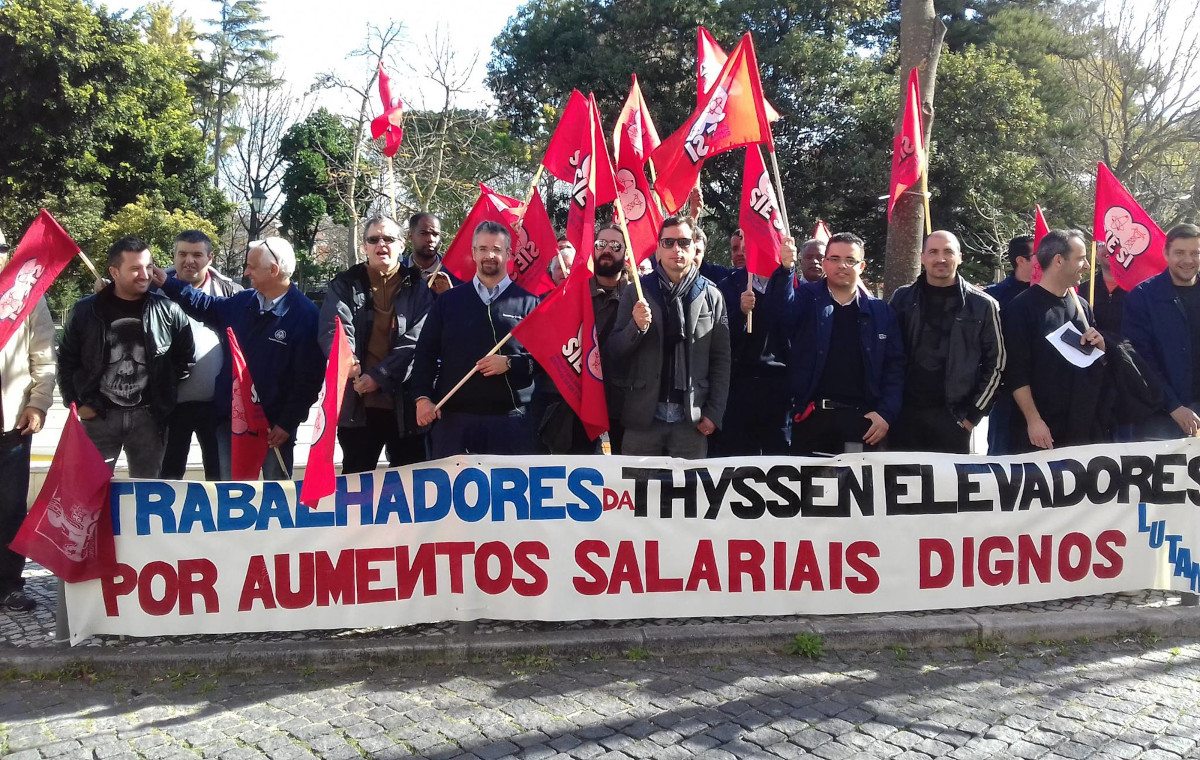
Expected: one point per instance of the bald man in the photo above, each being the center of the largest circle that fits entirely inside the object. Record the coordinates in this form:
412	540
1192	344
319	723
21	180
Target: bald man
955	349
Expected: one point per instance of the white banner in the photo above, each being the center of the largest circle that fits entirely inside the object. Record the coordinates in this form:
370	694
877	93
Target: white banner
621	537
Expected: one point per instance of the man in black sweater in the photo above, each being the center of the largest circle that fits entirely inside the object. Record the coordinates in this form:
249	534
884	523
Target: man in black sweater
487	414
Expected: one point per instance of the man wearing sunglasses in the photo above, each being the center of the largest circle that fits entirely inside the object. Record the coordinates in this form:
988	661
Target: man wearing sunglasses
382	305
846	363
276	327
669	354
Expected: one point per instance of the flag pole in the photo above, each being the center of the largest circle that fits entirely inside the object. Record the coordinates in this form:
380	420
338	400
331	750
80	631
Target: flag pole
391	186
629	252
468	376
282	466
1092	279
90	265
749	289
925	198
787	228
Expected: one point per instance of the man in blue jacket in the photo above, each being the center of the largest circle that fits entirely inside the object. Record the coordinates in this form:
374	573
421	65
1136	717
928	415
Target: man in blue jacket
846	365
1162	321
487	414
276	327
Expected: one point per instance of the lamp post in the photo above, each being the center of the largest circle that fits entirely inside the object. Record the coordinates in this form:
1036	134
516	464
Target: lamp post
258	201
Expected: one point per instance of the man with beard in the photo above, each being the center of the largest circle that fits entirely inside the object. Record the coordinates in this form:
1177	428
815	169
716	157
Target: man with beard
123	354
424	237
955	350
383	305
756	415
194	412
487	414
669	353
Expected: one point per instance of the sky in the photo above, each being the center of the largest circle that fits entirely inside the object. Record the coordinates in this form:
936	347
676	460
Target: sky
316	36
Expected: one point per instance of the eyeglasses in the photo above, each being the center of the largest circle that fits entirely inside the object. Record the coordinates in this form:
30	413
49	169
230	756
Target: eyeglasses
669	243
616	246
838	261
377	239
264	244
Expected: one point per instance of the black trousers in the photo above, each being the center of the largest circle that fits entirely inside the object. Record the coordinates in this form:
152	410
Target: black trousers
14	473
831	431
928	428
188	418
361	446
756	418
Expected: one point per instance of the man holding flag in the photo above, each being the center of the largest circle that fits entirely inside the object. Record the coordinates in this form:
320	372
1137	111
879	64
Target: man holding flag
26	392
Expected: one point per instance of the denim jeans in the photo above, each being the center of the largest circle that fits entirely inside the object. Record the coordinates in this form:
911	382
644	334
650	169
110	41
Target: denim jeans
14	474
134	430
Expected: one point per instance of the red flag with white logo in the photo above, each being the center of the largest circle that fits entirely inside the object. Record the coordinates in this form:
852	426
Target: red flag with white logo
1134	244
710	57
387	124
69	528
730	116
41	255
908	147
759	219
248	422
821	232
1040	229
633	139
533	245
319	479
577	154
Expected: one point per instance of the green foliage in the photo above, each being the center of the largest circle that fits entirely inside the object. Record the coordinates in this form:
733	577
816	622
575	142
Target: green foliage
809	645
148	219
320	153
637	654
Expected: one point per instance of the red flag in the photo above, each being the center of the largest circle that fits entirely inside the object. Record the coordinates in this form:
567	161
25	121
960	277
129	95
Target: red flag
821	232
69	529
710	57
388	122
319	480
730	116
1132	241
1040	228
577	154
533	244
248	422
762	227
908	147
41	255
633	139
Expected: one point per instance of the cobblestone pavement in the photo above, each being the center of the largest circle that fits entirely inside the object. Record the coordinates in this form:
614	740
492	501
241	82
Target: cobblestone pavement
1125	698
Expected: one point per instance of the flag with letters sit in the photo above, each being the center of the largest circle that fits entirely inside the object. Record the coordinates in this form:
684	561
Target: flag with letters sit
41	255
319	479
248	422
908	147
759	219
731	115
533	244
633	139
69	528
1134	244
577	154
710	57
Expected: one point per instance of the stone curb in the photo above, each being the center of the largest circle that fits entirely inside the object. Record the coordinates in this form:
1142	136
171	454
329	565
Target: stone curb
866	632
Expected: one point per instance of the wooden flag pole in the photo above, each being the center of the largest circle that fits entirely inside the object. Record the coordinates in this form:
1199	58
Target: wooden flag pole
787	228
925	197
468	376
1092	279
629	252
749	289
90	265
282	466
391	186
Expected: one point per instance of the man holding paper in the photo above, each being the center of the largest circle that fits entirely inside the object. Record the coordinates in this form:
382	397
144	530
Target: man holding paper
1053	347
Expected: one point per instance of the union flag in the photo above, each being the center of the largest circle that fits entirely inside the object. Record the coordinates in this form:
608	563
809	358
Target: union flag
908	147
1134	244
759	219
633	139
388	123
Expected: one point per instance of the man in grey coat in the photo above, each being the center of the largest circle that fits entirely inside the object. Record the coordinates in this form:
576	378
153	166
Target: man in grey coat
668	354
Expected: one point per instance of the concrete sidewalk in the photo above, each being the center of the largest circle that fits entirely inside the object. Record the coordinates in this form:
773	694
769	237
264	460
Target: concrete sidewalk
27	639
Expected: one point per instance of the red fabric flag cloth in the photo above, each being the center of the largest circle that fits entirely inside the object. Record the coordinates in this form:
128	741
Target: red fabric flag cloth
248	422
41	255
730	116
710	57
908	147
1134	244
759	219
821	232
633	139
577	154
532	245
69	528
319	478
388	123
1040	228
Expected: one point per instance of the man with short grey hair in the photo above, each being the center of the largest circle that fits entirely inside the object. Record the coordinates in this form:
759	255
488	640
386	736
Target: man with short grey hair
276	327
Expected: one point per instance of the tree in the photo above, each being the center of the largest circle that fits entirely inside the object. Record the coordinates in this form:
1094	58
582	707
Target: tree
314	182
148	219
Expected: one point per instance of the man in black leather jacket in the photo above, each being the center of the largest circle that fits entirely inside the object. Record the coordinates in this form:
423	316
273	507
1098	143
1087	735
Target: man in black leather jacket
955	347
123	352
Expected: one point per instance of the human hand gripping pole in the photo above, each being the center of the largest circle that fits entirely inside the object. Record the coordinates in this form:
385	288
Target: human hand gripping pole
496	348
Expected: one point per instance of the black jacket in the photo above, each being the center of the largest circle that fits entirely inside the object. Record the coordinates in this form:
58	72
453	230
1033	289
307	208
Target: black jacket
83	353
349	297
976	360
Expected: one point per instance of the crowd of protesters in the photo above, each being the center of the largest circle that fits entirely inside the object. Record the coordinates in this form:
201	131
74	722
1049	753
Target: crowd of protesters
706	361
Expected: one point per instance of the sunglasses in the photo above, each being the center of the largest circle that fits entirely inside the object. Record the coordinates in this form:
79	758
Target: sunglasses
669	243
264	244
377	239
616	246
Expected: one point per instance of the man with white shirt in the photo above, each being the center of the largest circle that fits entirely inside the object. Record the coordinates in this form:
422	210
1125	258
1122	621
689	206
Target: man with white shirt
194	413
487	414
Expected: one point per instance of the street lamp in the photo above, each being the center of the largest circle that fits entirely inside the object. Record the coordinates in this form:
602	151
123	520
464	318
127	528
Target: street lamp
258	201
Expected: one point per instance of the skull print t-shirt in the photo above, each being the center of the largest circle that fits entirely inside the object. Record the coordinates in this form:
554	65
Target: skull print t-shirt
125	372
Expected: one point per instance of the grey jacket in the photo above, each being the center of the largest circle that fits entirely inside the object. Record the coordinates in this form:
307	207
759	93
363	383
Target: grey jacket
633	360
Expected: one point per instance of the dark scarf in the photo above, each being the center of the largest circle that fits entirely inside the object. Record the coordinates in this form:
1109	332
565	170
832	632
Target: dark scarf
675	329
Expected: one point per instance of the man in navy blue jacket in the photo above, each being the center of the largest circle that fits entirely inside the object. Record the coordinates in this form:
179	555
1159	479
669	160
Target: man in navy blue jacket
276	328
846	365
487	414
1162	321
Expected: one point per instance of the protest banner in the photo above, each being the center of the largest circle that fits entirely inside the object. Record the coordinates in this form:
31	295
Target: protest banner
615	538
